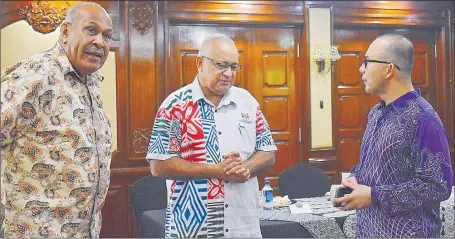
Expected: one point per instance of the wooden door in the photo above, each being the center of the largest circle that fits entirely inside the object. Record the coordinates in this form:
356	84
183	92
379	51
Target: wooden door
352	103
268	71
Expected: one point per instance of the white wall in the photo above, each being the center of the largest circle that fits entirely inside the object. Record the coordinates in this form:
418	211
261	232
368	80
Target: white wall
320	83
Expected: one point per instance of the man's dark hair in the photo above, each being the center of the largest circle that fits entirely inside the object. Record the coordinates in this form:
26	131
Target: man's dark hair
400	51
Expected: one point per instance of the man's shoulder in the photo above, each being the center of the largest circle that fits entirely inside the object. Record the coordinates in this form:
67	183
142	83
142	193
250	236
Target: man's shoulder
243	96
425	112
33	66
178	96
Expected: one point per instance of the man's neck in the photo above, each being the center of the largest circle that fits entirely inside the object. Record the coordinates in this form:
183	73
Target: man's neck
396	90
214	99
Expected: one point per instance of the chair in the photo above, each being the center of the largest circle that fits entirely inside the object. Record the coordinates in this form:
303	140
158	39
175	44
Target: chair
148	193
303	181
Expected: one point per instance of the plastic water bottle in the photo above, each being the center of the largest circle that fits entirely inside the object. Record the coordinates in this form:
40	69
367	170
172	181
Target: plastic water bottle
267	196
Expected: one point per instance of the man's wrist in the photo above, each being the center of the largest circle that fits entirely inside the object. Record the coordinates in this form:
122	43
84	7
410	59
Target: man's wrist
374	195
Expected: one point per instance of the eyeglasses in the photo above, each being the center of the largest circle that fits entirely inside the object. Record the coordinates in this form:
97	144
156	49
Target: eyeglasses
383	62
224	65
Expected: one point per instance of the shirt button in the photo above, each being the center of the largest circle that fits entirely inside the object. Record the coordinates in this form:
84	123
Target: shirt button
219	132
227	230
216	111
226	206
226	181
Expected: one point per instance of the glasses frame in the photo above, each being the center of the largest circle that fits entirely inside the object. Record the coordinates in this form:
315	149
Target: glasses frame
216	64
365	62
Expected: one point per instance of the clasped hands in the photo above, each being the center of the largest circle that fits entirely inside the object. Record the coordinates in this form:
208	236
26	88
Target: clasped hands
234	168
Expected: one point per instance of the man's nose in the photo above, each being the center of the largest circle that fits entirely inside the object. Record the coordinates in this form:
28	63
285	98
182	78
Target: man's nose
228	72
362	68
99	41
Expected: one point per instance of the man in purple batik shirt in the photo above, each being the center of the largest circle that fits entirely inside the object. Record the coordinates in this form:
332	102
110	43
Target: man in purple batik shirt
404	170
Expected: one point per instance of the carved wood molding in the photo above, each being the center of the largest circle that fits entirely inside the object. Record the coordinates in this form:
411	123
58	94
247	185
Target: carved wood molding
142	18
141	137
44	17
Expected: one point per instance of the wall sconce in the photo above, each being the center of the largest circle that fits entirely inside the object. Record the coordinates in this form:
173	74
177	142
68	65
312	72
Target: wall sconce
320	61
319	57
334	54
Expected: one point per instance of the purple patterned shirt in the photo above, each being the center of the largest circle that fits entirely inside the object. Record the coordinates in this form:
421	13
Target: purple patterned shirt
405	160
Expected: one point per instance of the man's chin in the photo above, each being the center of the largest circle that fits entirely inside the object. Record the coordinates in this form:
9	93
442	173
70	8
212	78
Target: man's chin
92	68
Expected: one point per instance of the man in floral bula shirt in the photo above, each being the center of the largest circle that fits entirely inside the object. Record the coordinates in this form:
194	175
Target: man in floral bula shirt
55	138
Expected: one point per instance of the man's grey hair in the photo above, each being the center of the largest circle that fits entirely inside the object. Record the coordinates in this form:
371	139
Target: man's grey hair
72	12
400	51
203	49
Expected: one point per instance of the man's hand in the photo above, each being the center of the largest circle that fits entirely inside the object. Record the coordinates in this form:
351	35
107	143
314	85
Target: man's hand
358	199
235	168
352	180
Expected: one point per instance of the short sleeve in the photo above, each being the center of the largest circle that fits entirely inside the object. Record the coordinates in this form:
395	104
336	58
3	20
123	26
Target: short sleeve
165	139
264	140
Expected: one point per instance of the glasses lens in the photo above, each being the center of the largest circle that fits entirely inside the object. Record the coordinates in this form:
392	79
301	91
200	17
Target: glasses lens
222	65
235	67
365	62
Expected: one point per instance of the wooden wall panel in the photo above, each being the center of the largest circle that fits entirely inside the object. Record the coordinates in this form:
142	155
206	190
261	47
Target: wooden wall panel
350	152
141	74
350	112
275	69
273	85
276	106
189	68
113	225
351	75
419	74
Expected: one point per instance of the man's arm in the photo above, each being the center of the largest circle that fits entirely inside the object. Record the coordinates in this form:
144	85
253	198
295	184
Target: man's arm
260	161
431	184
433	178
19	105
177	168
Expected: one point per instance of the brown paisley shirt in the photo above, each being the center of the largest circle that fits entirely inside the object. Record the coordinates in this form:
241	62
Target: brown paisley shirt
55	149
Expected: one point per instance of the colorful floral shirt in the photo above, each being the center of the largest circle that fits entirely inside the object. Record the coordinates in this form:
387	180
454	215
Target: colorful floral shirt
55	149
405	160
188	126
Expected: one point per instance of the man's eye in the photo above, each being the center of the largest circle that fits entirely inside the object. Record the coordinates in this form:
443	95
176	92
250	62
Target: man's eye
91	31
222	65
107	37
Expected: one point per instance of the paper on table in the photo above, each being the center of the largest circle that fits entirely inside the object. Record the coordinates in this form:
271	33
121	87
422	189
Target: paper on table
304	209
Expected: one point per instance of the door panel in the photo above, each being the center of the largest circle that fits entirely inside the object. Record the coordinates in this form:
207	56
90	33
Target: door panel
268	57
274	86
350	99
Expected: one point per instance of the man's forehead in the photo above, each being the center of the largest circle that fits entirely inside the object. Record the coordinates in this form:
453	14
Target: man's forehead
94	15
223	50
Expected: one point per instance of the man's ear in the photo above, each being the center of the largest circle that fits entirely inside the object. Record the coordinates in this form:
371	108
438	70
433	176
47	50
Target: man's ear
199	61
390	71
65	32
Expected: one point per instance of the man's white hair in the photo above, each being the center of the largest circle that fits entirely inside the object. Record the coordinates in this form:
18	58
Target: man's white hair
213	37
71	14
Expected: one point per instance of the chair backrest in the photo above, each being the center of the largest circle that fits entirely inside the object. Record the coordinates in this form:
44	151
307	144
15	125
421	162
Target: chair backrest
303	181
148	193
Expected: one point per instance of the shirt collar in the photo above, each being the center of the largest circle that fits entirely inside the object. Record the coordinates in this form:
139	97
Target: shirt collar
198	94
65	64
399	103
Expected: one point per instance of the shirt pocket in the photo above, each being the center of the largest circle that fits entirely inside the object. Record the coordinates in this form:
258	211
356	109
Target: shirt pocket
248	136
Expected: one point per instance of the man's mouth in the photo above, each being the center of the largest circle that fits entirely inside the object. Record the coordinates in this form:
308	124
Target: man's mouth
97	54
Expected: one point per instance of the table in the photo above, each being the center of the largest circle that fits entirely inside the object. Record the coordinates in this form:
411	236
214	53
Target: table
324	221
151	225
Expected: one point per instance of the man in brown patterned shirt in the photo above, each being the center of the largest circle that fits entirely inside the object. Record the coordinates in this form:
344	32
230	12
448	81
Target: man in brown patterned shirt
55	137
